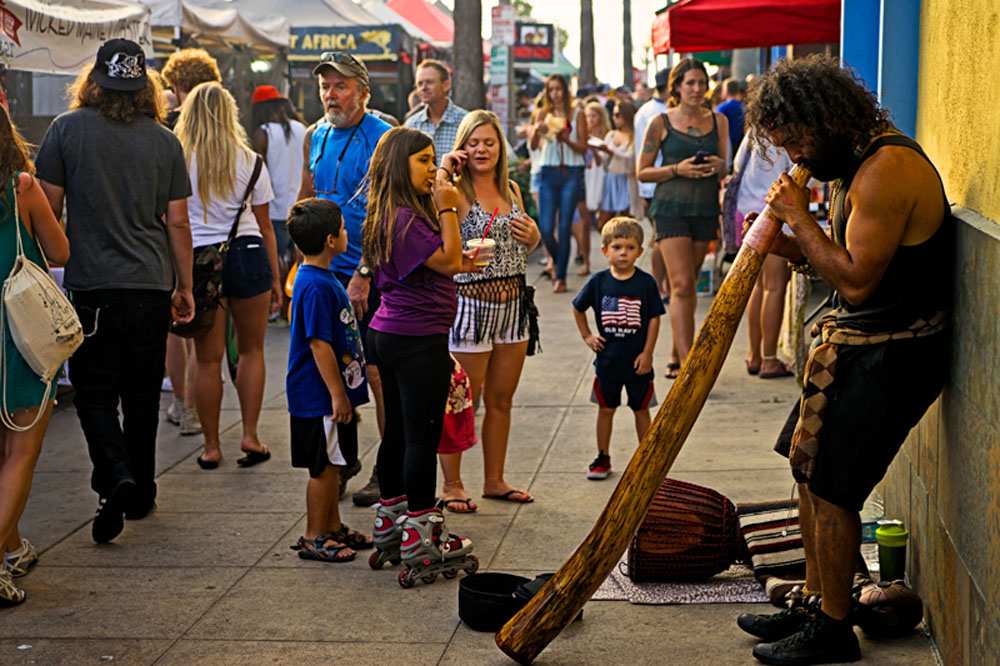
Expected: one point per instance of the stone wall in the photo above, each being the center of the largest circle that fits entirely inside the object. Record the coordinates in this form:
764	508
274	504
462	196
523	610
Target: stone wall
945	483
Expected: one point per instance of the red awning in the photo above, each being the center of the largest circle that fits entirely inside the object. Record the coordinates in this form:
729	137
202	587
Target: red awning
434	22
717	25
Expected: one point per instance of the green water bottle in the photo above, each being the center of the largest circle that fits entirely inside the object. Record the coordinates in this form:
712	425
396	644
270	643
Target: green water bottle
891	537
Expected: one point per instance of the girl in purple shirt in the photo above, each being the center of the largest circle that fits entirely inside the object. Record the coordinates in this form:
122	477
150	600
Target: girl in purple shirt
412	243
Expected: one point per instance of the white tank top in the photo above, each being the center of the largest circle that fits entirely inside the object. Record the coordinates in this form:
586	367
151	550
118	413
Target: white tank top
284	163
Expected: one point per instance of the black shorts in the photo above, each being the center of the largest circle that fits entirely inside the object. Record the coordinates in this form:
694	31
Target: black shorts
308	442
608	393
246	272
879	394
695	228
374	300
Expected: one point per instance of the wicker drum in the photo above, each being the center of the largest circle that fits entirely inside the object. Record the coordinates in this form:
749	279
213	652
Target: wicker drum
689	533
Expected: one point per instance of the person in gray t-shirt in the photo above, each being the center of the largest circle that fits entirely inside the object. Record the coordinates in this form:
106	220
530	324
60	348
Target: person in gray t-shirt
125	184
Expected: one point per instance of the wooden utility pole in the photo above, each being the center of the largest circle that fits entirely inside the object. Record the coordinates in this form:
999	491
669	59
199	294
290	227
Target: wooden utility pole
627	54
468	90
587	73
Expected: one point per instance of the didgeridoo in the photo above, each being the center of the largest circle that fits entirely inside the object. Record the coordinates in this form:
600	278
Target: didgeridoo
555	605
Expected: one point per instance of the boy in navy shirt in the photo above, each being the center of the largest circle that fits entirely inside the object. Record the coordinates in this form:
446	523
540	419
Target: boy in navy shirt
325	381
627	308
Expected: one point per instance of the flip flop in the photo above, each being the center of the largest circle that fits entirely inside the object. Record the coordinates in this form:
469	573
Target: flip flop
254	458
509	497
777	374
207	464
752	370
470	506
673	369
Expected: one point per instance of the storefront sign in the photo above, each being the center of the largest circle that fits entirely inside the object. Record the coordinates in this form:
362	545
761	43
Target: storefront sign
58	39
380	42
535	42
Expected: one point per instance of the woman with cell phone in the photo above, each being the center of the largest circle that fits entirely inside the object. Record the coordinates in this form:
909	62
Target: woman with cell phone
693	142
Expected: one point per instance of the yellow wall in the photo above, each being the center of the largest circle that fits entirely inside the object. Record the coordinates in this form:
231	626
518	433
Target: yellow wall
958	116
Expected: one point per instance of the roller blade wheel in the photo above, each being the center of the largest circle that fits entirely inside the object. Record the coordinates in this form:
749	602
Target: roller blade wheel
377	560
406	579
472	565
449	574
429	578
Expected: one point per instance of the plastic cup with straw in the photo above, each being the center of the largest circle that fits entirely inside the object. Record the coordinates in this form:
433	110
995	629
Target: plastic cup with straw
484	245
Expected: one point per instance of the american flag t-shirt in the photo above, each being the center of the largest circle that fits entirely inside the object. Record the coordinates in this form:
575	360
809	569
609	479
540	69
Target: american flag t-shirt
621	314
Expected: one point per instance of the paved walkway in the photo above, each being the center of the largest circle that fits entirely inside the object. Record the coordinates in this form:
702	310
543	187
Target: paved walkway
209	577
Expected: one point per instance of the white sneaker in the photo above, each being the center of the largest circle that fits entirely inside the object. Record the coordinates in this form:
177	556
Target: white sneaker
174	412
21	560
189	422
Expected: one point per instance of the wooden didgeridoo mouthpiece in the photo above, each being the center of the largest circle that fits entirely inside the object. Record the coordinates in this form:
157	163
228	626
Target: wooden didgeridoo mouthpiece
555	605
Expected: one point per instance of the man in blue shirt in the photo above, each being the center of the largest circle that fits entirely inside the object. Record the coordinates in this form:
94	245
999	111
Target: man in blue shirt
338	149
439	117
732	108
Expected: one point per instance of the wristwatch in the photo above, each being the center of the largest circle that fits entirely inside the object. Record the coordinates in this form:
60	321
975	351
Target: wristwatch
363	271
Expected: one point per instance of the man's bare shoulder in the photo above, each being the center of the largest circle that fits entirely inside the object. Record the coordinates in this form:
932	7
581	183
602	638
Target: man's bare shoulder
896	172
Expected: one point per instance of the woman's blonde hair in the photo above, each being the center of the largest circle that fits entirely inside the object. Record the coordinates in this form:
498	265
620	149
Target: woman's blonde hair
209	129
390	189
605	121
473	121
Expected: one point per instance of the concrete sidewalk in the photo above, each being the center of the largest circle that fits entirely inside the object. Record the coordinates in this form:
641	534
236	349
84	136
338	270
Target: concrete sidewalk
209	578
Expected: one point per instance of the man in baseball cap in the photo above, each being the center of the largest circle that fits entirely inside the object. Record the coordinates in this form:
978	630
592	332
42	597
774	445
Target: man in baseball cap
120	65
344	64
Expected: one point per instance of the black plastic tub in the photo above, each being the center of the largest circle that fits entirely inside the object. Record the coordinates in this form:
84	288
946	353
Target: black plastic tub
487	600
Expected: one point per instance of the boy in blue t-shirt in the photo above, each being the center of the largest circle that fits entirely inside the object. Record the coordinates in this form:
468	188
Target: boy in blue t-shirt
627	308
325	381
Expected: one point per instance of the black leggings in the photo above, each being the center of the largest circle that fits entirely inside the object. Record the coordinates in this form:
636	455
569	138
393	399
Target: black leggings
415	371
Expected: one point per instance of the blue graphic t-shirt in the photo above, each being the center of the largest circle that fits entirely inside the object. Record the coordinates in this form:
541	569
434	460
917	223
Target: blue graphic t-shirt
338	161
623	310
322	311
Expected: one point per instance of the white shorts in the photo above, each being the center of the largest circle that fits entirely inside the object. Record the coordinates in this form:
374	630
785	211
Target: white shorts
462	336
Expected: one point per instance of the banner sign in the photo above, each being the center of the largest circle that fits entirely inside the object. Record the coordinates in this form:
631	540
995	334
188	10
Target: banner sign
59	39
376	42
535	42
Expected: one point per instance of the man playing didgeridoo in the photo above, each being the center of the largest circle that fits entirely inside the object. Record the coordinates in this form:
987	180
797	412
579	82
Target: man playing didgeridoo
880	357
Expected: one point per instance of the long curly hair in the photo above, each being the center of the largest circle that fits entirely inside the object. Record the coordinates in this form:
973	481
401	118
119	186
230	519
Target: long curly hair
814	96
390	189
187	68
501	176
117	105
14	150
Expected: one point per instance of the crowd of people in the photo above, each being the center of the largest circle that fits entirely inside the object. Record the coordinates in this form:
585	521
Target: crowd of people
409	247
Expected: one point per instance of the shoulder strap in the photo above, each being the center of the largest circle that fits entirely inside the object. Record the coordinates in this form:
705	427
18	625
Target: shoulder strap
258	165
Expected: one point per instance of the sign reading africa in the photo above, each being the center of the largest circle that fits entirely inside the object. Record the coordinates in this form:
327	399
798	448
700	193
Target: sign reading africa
380	42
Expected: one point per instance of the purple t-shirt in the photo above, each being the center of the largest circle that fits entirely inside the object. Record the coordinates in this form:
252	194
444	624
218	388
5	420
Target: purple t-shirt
415	299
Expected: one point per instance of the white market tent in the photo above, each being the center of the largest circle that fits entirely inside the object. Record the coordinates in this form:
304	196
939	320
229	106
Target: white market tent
37	36
225	24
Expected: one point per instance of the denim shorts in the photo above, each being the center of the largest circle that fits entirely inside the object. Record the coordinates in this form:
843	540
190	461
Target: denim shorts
246	271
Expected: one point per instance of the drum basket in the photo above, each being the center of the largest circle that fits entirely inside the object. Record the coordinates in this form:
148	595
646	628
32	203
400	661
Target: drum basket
689	533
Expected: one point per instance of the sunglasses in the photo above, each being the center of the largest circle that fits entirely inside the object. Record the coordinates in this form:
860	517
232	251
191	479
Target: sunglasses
338	57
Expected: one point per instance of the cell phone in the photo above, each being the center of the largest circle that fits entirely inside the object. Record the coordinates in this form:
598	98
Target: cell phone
700	157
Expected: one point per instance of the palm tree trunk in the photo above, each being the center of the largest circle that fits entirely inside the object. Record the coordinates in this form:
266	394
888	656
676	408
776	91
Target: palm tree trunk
468	90
627	55
587	73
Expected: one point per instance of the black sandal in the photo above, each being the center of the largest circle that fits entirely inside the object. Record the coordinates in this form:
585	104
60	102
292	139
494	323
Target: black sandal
673	369
317	550
254	458
354	539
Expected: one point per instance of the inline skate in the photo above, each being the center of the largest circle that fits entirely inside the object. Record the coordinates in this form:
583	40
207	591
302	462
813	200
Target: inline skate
387	531
428	549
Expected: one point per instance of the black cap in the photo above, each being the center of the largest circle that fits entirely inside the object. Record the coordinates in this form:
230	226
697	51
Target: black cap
120	65
663	78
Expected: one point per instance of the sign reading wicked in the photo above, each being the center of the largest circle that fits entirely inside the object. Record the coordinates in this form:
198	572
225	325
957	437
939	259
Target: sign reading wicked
534	42
378	42
61	39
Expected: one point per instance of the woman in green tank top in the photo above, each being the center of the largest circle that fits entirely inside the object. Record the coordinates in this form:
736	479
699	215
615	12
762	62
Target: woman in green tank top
693	142
21	202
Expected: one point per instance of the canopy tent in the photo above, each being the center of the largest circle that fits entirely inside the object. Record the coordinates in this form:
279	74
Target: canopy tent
333	13
60	39
561	66
220	22
691	26
381	11
428	18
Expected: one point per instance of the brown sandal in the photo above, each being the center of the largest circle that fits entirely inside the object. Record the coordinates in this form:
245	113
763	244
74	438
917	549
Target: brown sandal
318	550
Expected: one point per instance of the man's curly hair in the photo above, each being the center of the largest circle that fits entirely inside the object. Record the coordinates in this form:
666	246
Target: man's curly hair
814	96
187	68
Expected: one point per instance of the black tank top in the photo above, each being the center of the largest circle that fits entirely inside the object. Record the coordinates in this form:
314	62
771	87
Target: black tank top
918	280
